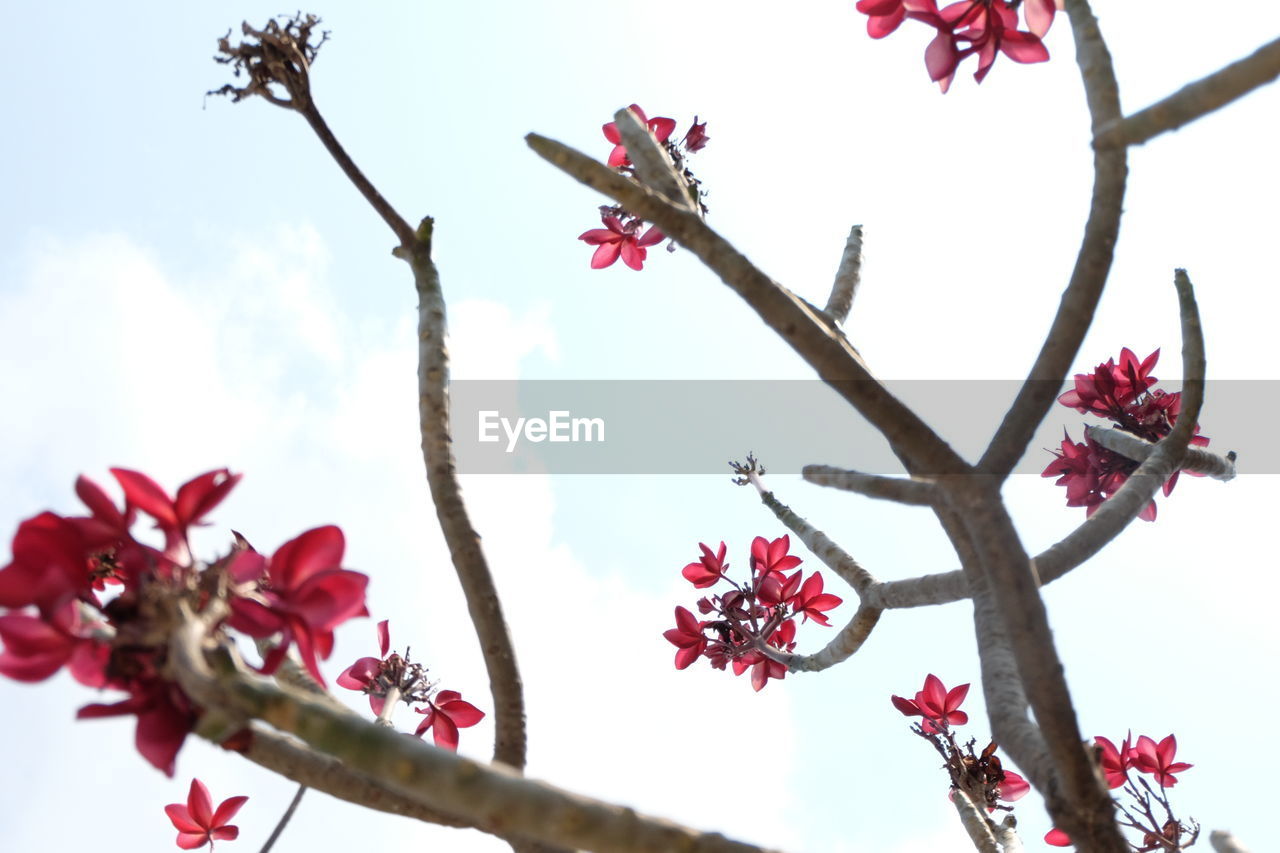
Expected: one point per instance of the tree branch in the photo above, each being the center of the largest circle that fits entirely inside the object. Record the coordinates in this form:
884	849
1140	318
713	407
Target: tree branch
848	277
915	492
1195	100
1093	263
653	166
975	823
832	555
842	646
1225	842
799	323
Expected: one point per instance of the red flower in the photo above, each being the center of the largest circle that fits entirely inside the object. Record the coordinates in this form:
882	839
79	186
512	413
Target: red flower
772	556
812	601
49	566
1147	756
364	673
35	649
660	127
687	638
196	498
617	240
710	568
696	139
1014	787
1115	762
989	27
884	16
1057	838
939	707
198	824
304	596
446	713
1092	474
1111	387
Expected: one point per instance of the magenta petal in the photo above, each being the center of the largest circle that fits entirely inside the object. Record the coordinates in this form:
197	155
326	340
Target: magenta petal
181	818
384	637
199	803
226	811
192	840
1023	47
147	495
605	255
225	833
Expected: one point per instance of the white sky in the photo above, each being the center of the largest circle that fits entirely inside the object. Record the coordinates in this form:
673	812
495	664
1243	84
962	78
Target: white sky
185	285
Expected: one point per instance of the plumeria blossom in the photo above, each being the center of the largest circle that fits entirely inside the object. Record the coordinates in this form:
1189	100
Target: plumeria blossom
616	240
661	128
753	624
374	675
198	823
939	707
1124	393
1147	756
446	712
1115	761
981	28
51	615
302	593
624	234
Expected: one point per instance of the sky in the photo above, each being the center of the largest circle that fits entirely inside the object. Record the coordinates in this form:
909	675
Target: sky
186	284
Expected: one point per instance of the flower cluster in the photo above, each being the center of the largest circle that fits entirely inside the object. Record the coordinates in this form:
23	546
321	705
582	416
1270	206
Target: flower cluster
981	28
1138	812
979	775
754	620
394	678
1123	393
198	823
55	616
624	235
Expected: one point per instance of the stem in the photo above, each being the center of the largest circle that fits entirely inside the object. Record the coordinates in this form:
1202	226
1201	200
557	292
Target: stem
284	819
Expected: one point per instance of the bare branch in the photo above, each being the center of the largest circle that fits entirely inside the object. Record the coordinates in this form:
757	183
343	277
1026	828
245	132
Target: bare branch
493	798
1195	99
1007	835
1093	263
469	560
842	646
1130	446
916	492
848	277
975	823
831	554
799	323
653	165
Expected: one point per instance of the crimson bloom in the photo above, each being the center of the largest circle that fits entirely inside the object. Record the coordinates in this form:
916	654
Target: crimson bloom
696	138
772	556
1115	762
616	240
708	570
939	707
165	717
687	637
35	649
812	601
303	595
446	712
1147	756
661	128
364	674
195	499
1057	838
987	27
197	822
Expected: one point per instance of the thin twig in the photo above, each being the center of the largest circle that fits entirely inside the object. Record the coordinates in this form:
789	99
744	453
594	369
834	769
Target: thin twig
799	323
284	820
1093	263
848	277
1195	99
915	492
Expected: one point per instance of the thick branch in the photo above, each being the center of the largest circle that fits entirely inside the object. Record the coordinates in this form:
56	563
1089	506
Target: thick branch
848	276
800	324
1225	842
493	798
1196	461
975	823
842	646
1195	99
1093	263
653	166
915	492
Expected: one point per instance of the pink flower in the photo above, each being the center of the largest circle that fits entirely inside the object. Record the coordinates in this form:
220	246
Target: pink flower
939	707
1014	787
445	713
696	139
198	824
617	240
165	716
989	27
1111	387
687	638
195	499
1092	474
772	556
366	672
35	649
661	128
304	595
1115	762
812	601
708	570
884	16
1147	756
